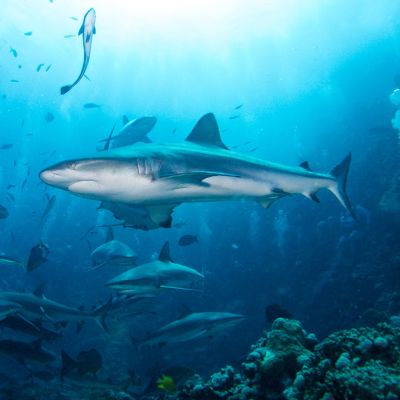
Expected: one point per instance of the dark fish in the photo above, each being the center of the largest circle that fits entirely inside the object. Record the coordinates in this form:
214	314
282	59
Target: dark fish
3	96
22	123
187	240
13	52
253	149
10	187
87	30
87	232
91	105
69	36
49	117
6	146
239	107
31	351
39	67
37	256
49	66
274	311
3	212
19	66
49	207
87	362
14	80
234	116
74	18
35	328
28	33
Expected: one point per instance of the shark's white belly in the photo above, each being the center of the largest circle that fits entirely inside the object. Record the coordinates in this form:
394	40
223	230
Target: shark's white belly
145	190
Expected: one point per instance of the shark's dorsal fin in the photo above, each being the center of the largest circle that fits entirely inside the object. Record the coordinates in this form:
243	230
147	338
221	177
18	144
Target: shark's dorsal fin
39	291
125	119
206	132
305	165
185	311
164	253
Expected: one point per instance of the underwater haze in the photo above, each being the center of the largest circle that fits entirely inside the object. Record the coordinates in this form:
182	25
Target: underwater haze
181	180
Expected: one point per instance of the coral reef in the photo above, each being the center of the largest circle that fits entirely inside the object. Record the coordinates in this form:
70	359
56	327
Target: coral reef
287	363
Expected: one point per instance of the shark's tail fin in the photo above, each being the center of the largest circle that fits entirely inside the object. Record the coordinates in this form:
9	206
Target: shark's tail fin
100	314
65	89
68	364
340	173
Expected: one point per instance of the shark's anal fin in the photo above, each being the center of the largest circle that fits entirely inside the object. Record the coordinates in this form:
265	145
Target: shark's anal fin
206	132
165	253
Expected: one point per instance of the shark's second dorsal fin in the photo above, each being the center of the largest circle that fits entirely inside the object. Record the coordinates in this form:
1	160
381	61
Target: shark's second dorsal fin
164	253
305	165
206	132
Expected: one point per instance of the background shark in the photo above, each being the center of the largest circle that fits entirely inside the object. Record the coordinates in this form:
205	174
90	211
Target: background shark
202	169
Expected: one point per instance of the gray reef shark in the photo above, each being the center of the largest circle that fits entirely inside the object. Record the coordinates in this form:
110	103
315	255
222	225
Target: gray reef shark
36	307
87	31
157	275
191	327
160	177
114	253
132	132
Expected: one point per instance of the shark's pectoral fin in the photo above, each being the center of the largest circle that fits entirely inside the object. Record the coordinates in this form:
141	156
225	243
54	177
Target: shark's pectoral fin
45	314
140	216
81	30
161	215
94	30
195	178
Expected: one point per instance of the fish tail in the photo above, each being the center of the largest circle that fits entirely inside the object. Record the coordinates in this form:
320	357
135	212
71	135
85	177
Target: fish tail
101	313
340	173
65	89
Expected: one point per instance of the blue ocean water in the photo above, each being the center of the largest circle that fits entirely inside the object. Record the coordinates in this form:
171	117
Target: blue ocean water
287	82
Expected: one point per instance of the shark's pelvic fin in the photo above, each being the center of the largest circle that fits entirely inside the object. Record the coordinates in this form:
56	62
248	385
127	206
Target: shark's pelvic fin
206	132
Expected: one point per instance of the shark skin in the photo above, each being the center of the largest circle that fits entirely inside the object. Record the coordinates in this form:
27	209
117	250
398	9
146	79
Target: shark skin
202	169
190	327
37	307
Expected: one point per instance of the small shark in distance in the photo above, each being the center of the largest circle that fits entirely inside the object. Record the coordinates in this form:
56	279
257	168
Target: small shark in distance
203	169
190	327
157	275
36	307
87	31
